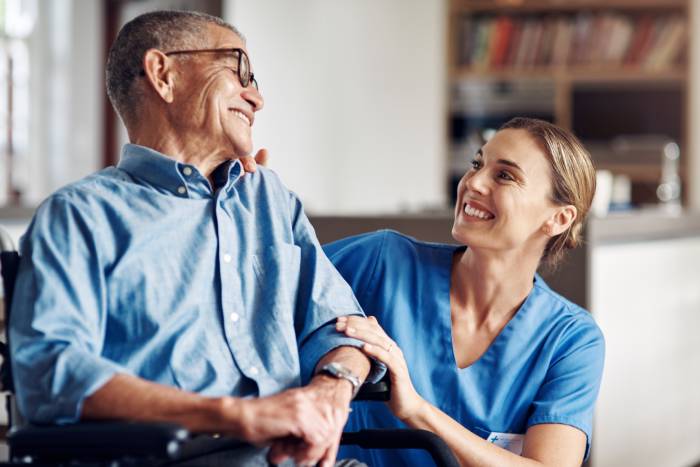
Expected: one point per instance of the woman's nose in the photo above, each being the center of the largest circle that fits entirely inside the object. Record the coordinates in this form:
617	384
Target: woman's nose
476	181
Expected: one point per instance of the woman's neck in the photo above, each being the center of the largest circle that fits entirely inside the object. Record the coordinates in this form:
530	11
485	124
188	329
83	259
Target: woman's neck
488	287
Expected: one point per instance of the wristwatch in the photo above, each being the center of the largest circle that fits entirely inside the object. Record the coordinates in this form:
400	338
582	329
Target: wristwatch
339	371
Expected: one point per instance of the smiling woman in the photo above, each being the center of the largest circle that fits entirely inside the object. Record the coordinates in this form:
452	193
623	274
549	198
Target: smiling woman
479	349
561	182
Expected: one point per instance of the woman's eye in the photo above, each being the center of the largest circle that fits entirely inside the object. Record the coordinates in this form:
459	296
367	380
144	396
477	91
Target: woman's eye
476	164
503	175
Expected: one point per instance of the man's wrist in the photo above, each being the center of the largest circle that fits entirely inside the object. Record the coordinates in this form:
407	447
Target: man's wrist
226	414
339	371
340	387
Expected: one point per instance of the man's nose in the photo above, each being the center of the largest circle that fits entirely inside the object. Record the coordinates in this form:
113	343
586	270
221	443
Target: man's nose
253	97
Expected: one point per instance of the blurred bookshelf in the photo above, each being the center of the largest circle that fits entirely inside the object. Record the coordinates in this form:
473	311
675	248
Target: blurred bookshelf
615	72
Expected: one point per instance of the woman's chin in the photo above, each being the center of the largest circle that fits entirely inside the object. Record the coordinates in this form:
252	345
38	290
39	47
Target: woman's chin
460	235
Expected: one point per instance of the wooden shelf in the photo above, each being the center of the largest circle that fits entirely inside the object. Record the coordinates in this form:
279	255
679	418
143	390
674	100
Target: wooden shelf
548	6
575	74
654	71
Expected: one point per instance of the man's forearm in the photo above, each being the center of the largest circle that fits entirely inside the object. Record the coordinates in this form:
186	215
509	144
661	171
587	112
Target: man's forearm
126	397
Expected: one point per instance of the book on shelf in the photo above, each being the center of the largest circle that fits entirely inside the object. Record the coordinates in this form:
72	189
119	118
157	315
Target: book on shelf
654	42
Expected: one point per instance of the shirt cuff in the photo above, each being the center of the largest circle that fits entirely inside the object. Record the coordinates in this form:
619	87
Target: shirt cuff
322	341
59	398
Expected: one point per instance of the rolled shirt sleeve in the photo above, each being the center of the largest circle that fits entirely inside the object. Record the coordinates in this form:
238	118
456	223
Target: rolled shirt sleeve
322	296
58	316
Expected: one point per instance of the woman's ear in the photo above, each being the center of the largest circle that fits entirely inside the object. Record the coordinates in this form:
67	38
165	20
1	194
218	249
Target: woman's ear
561	220
159	73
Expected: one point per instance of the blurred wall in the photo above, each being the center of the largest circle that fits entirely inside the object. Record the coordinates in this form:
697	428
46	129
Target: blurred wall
694	109
645	299
355	115
66	76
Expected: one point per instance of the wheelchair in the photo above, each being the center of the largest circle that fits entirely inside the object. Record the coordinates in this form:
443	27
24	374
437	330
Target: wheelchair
122	444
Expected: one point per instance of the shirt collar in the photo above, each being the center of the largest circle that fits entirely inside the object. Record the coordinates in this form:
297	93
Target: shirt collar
183	180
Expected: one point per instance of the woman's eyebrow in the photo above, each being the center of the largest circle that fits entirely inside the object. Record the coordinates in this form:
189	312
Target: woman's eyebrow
508	162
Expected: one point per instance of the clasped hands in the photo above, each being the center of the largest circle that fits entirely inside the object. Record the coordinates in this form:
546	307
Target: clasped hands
304	424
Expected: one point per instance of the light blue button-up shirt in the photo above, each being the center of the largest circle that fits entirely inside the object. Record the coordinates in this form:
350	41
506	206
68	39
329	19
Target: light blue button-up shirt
144	269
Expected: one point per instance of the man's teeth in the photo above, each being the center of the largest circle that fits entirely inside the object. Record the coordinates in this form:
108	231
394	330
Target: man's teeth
473	212
242	116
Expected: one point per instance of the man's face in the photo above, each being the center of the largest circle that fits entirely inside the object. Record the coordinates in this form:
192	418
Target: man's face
211	104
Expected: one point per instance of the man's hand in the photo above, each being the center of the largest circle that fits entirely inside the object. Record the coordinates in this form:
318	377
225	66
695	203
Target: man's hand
331	397
293	414
250	164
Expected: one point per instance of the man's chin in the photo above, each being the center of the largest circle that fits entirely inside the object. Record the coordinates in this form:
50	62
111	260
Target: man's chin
238	151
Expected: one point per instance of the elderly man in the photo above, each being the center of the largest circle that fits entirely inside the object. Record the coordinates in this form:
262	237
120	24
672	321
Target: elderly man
173	288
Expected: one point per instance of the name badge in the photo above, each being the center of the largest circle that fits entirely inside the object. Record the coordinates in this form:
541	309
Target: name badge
509	441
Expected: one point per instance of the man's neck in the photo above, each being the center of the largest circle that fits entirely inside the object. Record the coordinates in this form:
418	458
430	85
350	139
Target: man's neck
191	150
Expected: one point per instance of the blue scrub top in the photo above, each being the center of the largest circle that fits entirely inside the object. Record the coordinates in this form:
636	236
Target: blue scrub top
544	367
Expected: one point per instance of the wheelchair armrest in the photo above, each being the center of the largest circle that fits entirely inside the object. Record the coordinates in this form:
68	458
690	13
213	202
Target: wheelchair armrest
378	391
402	439
94	441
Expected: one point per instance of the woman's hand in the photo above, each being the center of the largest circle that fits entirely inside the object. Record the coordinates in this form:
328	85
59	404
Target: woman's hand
250	163
405	402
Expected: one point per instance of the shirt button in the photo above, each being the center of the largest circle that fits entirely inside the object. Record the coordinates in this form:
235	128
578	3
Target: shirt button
227	258
234	317
253	371
187	171
181	190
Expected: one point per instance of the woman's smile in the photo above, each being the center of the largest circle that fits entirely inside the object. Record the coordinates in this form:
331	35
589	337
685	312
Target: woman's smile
477	212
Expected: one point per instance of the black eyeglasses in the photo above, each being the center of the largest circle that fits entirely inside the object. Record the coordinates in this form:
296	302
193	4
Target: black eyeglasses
245	76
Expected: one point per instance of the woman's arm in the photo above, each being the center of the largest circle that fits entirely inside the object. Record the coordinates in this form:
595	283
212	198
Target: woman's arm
545	444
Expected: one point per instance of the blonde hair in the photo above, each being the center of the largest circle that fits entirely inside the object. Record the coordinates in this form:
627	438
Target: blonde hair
573	178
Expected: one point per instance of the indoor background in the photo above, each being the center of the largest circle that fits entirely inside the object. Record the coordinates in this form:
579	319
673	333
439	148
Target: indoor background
373	109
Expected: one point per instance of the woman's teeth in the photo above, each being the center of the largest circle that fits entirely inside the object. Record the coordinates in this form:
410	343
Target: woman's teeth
473	212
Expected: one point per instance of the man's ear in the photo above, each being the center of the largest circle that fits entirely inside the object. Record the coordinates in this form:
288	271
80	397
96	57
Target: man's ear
561	220
159	73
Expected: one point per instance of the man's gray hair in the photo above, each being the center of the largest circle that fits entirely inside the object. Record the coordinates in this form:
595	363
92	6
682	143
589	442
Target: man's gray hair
162	30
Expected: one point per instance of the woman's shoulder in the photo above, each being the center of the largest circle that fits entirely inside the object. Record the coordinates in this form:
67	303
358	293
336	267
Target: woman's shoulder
387	261
573	322
385	242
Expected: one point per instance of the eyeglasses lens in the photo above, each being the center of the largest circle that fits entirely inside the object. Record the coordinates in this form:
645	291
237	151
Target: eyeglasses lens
243	69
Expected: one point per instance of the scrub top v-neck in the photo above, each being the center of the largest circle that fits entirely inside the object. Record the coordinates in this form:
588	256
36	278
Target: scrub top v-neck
544	366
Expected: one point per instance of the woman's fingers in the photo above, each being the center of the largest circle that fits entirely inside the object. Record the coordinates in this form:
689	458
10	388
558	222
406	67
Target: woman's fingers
377	343
365	330
261	157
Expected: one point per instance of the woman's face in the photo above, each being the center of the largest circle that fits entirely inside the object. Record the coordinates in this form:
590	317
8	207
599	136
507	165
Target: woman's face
504	200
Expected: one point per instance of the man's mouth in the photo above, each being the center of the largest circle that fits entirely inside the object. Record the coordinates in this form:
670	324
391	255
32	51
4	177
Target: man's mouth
471	211
242	116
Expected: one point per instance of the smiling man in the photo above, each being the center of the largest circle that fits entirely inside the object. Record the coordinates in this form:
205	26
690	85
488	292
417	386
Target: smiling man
173	288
